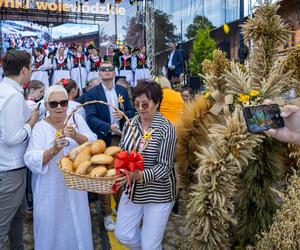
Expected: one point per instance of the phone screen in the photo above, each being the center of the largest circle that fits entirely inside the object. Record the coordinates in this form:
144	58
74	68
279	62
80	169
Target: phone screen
263	117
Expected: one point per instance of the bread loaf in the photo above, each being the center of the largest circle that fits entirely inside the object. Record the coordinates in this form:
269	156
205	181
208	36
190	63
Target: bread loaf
111	172
82	168
102	159
99	171
75	151
66	164
112	150
82	156
89	170
98	147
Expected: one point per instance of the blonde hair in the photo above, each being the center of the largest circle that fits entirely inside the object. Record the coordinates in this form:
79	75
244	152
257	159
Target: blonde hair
163	82
54	89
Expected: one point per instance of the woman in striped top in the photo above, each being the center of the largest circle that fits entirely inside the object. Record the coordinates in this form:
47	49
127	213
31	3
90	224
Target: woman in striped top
152	193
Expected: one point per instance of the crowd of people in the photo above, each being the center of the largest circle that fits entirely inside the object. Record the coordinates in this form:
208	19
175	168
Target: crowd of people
52	62
30	151
30	146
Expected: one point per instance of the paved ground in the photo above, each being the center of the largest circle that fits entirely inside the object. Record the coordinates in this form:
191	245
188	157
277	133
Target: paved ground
174	234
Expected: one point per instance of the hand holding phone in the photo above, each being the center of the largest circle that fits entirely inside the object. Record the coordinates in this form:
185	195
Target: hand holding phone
263	117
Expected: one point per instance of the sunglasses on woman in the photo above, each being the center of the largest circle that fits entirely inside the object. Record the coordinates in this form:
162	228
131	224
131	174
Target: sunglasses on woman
54	104
108	68
145	105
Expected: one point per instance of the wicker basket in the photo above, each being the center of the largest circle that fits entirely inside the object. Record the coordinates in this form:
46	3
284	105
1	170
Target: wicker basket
101	185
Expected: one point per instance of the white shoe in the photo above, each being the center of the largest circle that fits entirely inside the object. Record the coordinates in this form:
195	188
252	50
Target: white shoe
109	223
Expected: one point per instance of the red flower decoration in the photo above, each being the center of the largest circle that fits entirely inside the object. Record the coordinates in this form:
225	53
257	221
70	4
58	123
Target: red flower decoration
64	82
26	85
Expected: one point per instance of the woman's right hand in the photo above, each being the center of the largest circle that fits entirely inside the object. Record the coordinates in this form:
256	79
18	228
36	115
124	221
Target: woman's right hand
60	142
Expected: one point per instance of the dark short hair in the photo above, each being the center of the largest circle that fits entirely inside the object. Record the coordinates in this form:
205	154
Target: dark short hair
13	62
149	88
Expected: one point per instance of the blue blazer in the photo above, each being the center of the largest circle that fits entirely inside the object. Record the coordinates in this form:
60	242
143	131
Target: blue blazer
97	115
177	61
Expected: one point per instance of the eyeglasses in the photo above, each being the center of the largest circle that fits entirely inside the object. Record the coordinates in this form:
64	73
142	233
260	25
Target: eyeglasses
145	105
54	104
109	68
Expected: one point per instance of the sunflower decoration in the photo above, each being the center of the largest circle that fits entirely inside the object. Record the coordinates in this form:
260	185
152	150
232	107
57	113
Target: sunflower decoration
147	136
58	134
121	102
248	98
207	94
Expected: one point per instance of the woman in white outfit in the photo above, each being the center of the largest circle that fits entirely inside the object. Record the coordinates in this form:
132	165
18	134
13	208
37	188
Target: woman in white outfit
126	66
140	66
61	215
61	66
93	65
79	72
40	67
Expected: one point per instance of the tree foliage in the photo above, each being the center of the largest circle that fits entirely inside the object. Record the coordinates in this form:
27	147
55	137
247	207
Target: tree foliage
134	31
164	31
203	47
199	22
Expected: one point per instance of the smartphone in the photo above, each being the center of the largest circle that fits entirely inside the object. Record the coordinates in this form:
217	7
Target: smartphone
263	117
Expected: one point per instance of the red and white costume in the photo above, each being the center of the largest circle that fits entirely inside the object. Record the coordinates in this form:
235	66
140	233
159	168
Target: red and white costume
93	66
79	72
62	66
41	64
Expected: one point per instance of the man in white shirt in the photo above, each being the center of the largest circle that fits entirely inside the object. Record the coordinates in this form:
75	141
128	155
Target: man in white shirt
16	122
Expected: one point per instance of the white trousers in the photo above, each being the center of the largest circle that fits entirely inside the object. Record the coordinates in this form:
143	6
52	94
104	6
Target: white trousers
148	237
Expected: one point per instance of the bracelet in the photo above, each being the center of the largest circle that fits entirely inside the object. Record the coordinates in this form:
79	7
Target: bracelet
51	151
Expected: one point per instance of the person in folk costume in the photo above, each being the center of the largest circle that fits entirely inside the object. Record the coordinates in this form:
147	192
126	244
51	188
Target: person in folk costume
113	58
79	72
40	67
61	66
93	64
140	66
126	66
90	50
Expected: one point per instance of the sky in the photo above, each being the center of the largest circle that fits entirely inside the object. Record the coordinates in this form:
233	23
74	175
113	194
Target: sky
182	11
108	27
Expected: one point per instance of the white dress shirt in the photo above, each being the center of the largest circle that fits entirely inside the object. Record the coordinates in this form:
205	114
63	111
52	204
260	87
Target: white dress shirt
14	129
170	64
112	98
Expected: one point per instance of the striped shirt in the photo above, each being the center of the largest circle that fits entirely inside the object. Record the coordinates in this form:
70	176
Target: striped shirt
159	174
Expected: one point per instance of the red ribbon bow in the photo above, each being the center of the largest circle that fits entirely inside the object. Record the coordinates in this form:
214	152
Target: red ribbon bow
64	81
60	65
131	162
98	63
26	85
37	65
